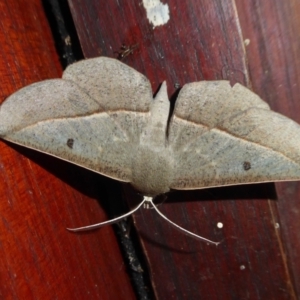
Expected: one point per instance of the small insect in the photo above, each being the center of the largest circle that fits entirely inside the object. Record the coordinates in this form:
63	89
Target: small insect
126	50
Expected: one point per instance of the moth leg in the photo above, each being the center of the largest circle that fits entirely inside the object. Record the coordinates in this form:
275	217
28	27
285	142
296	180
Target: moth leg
147	204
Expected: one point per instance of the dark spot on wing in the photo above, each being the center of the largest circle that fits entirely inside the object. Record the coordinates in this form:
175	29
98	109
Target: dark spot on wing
246	165
70	143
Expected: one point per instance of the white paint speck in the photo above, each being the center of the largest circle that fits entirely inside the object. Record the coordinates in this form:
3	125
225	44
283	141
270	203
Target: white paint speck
242	267
277	225
220	225
157	13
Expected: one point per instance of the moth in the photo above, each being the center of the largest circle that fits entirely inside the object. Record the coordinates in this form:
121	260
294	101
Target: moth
102	116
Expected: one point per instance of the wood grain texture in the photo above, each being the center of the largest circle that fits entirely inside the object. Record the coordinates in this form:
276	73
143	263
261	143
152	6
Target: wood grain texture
203	40
273	56
41	196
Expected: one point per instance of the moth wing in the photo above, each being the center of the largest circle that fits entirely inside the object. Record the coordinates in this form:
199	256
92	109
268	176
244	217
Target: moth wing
222	135
118	86
93	129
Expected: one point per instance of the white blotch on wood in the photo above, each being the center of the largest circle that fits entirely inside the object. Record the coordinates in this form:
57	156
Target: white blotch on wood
157	13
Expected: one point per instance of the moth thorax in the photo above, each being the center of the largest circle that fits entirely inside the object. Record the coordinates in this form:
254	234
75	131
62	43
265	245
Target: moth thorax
152	171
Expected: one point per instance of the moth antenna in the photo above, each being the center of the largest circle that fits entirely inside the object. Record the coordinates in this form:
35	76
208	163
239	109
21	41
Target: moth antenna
109	222
180	228
145	201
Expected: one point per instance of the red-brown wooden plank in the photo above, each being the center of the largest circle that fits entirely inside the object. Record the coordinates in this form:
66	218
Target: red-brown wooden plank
202	40
41	196
273	55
